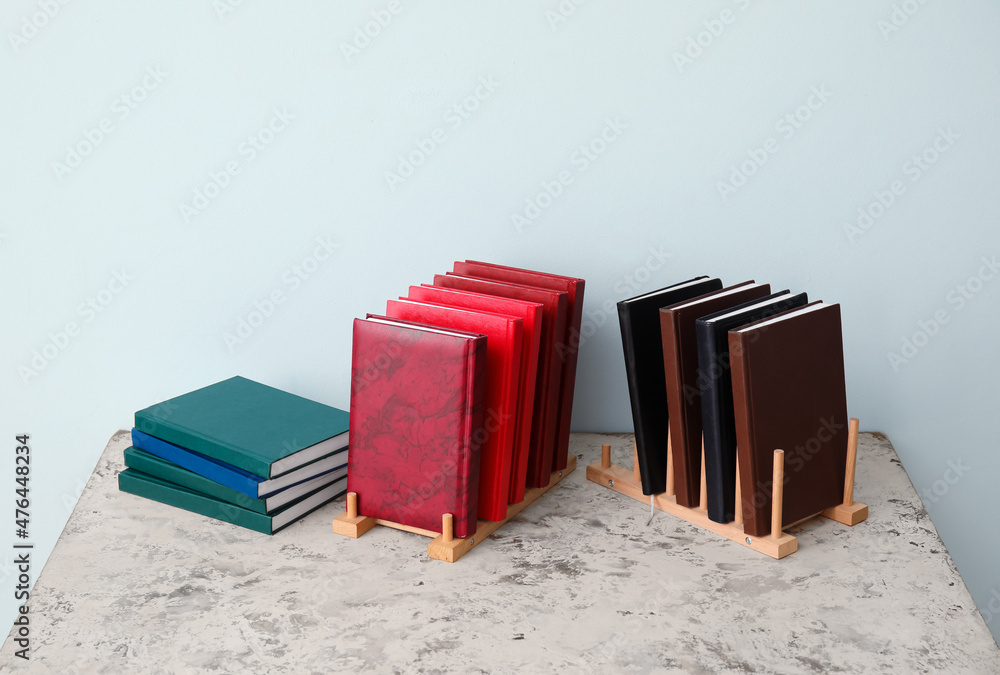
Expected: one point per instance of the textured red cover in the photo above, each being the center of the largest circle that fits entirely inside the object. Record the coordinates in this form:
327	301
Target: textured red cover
531	314
567	347
543	419
503	362
416	403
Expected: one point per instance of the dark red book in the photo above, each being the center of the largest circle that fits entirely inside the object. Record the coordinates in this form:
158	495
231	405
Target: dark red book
567	347
503	362
416	407
543	419
680	365
531	314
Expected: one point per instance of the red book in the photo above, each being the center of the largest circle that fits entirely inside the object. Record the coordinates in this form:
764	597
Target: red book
503	362
531	314
416	404
567	347
543	419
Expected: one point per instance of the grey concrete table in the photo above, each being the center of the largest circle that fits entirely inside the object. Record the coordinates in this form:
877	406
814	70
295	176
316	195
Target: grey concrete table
576	583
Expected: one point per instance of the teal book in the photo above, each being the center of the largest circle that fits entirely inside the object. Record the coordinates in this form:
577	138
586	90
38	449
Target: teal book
151	465
265	431
157	489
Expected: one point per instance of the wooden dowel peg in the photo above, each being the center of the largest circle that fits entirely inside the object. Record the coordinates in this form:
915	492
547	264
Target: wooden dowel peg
852	456
447	528
606	456
739	498
670	467
636	475
777	492
352	504
703	501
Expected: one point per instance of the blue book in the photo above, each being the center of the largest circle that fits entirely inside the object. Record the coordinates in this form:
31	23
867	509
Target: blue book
233	477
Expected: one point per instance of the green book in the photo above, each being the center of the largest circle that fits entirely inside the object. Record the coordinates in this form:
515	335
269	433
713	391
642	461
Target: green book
157	489
249	425
151	465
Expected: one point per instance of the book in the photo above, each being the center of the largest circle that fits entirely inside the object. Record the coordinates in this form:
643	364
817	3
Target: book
416	421
639	318
716	386
531	315
157	489
789	393
680	363
503	363
252	426
234	477
567	348
151	465
545	415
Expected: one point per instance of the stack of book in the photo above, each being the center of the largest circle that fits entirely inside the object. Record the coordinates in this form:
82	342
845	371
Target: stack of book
462	395
241	452
732	374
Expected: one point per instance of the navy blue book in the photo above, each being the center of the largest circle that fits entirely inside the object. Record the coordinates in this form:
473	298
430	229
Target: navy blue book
716	386
238	479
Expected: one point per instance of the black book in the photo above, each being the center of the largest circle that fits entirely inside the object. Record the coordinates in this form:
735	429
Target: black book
716	385
647	389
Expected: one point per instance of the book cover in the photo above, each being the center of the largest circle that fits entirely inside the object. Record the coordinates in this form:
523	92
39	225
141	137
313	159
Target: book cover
503	362
715	382
790	393
234	477
157	489
249	425
639	318
567	348
151	465
416	420
531	315
545	415
680	363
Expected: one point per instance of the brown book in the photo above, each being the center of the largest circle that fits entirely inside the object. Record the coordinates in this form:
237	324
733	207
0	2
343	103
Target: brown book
680	366
789	393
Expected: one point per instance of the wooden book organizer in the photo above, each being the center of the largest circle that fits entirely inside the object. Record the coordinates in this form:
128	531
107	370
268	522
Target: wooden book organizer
777	544
444	546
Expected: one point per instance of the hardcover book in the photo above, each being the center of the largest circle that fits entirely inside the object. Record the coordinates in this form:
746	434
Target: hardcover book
248	425
567	347
716	385
545	415
150	487
639	318
151	465
416	418
789	393
680	362
503	362
234	477
531	315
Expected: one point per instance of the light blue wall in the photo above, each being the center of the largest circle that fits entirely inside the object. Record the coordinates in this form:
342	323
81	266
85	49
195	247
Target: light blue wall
645	212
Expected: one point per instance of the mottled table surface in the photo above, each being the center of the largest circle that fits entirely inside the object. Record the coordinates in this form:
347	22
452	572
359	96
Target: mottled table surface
577	583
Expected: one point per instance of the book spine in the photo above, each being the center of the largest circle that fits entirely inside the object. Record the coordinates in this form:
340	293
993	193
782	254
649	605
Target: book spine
686	480
475	374
746	449
195	462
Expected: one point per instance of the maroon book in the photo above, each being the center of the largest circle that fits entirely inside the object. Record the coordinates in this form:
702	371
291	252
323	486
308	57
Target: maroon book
416	414
567	345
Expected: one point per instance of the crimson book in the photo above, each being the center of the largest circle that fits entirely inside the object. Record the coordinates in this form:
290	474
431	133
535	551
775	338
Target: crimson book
503	358
416	413
531	314
567	347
